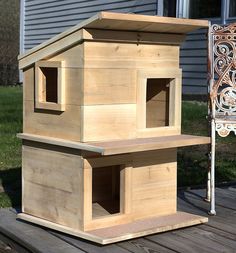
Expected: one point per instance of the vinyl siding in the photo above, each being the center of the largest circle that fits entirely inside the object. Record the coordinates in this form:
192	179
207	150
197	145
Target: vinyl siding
193	61
45	19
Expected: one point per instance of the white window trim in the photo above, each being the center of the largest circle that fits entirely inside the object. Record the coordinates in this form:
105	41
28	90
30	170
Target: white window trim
182	7
182	10
227	11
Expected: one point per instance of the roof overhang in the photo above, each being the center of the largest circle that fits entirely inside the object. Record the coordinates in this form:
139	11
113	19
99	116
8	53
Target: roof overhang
110	21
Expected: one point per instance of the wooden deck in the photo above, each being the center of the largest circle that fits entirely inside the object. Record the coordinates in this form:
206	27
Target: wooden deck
218	235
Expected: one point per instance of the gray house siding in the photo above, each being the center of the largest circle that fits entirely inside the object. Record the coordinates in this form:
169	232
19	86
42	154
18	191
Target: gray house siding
44	19
193	61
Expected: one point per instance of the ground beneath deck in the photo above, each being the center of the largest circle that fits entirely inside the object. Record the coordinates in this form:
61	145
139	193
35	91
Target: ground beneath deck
218	235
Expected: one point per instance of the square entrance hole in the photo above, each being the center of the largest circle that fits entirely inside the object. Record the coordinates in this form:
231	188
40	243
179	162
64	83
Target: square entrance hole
50	84
157	102
105	191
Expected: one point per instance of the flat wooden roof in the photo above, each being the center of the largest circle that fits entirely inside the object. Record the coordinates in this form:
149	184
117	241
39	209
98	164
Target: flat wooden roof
123	146
128	22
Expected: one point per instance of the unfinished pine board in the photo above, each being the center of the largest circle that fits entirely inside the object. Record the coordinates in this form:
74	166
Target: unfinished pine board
130	55
64	125
111	149
133	22
109	86
28	91
154	116
143	178
50	50
73	84
107	192
126	231
134	37
154	183
142	144
68	56
108	122
123	146
45	194
50	85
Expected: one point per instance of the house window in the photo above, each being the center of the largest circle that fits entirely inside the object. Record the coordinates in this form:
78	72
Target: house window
169	8
49	85
204	9
232	8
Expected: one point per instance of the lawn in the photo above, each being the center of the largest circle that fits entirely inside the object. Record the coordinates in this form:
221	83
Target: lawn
192	160
10	146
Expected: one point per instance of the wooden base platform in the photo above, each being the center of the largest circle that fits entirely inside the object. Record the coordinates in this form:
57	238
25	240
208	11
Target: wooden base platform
126	231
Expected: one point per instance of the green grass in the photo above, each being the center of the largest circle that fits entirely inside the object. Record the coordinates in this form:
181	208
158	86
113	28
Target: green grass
192	160
10	124
10	146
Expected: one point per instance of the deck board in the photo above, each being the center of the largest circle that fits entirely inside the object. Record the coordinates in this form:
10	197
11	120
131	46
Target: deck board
218	235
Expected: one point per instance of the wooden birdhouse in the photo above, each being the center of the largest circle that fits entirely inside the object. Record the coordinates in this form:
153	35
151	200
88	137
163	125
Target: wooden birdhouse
102	124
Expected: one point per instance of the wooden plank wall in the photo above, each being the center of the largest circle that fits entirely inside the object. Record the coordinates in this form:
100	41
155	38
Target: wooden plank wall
147	179
66	124
52	192
110	85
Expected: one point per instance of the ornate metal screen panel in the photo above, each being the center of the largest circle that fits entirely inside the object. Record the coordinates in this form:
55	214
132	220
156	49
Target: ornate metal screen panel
222	45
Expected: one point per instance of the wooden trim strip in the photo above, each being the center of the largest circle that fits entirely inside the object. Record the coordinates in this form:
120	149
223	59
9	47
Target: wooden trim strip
61	142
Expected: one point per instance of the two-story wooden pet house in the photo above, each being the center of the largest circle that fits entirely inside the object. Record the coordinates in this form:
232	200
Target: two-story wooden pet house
102	123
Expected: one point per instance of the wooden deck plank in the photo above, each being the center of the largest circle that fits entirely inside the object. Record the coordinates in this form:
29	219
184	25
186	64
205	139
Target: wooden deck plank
218	235
208	240
5	247
177	243
88	246
224	197
14	244
217	231
143	245
191	202
232	189
32	237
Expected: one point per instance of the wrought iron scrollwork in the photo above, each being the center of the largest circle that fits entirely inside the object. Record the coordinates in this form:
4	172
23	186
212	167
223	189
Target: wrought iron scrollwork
223	85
